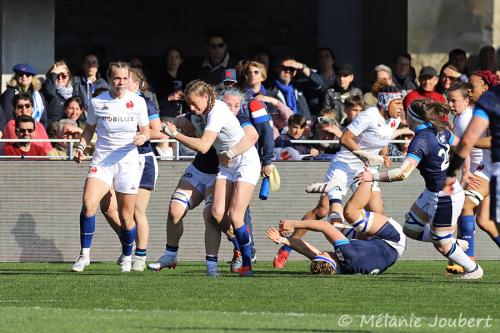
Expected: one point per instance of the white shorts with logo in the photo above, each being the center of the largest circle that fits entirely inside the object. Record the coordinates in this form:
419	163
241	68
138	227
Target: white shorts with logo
199	180
483	170
124	175
243	168
344	175
442	209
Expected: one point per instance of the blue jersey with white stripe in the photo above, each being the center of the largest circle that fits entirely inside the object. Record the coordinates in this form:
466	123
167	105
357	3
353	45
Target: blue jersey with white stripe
431	149
371	256
488	107
209	162
153	113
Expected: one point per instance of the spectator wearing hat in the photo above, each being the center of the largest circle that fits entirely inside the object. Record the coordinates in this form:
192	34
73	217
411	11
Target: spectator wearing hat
56	90
25	129
86	84
428	80
380	73
290	91
217	59
401	70
343	88
24	81
228	79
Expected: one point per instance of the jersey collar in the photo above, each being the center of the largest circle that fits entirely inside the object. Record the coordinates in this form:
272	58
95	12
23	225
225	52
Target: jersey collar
422	127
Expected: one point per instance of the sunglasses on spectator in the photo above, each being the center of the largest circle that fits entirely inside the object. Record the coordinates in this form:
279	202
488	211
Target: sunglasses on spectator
21	74
62	76
23	106
217	46
287	69
91	62
25	130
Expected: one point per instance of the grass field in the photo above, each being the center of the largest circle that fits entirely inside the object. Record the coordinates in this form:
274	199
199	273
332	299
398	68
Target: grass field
41	297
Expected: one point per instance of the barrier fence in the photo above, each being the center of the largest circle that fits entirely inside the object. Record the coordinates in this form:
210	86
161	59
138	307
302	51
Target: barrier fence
40	205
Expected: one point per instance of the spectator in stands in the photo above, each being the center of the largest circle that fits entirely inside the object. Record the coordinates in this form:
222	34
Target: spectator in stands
262	55
90	80
254	74
343	88
2	120
327	128
24	81
326	64
23	105
56	90
25	129
289	91
400	149
402	73
296	126
487	59
68	129
217	59
170	83
380	73
448	75
458	58
353	106
428	80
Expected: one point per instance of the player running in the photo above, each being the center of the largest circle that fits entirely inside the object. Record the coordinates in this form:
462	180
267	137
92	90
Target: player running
429	152
239	164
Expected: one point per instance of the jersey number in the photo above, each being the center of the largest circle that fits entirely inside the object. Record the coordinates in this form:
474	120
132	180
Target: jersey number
444	153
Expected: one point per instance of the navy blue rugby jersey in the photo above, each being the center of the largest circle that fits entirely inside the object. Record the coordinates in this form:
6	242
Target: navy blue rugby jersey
431	149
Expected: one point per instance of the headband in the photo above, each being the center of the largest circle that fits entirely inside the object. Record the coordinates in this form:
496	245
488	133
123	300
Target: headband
385	98
326	259
414	116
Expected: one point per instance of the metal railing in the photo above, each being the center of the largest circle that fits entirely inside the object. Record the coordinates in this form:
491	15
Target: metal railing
176	157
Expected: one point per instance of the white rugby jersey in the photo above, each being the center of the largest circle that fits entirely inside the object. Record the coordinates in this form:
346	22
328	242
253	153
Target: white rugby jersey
117	121
222	121
460	124
372	133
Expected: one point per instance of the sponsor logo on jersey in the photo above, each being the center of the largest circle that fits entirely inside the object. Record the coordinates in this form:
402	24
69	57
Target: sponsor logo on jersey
188	175
117	119
441	138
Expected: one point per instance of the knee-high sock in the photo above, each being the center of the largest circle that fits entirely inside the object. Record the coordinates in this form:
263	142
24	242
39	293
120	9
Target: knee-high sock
244	242
128	238
466	226
458	256
87	229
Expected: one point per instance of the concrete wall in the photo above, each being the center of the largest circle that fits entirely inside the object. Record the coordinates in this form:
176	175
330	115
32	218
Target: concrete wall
40	205
437	27
27	35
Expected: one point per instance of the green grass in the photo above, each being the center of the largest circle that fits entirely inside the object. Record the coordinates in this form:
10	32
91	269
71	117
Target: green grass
45	297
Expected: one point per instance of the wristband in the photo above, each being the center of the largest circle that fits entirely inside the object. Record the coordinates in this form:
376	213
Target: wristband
230	154
376	176
174	134
456	162
81	147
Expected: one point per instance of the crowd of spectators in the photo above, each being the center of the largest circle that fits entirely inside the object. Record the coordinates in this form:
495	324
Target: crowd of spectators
304	101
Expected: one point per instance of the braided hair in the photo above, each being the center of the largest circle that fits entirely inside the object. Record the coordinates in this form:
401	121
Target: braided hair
200	88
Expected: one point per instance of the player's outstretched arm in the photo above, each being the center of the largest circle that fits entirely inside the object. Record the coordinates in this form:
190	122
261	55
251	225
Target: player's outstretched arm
328	230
